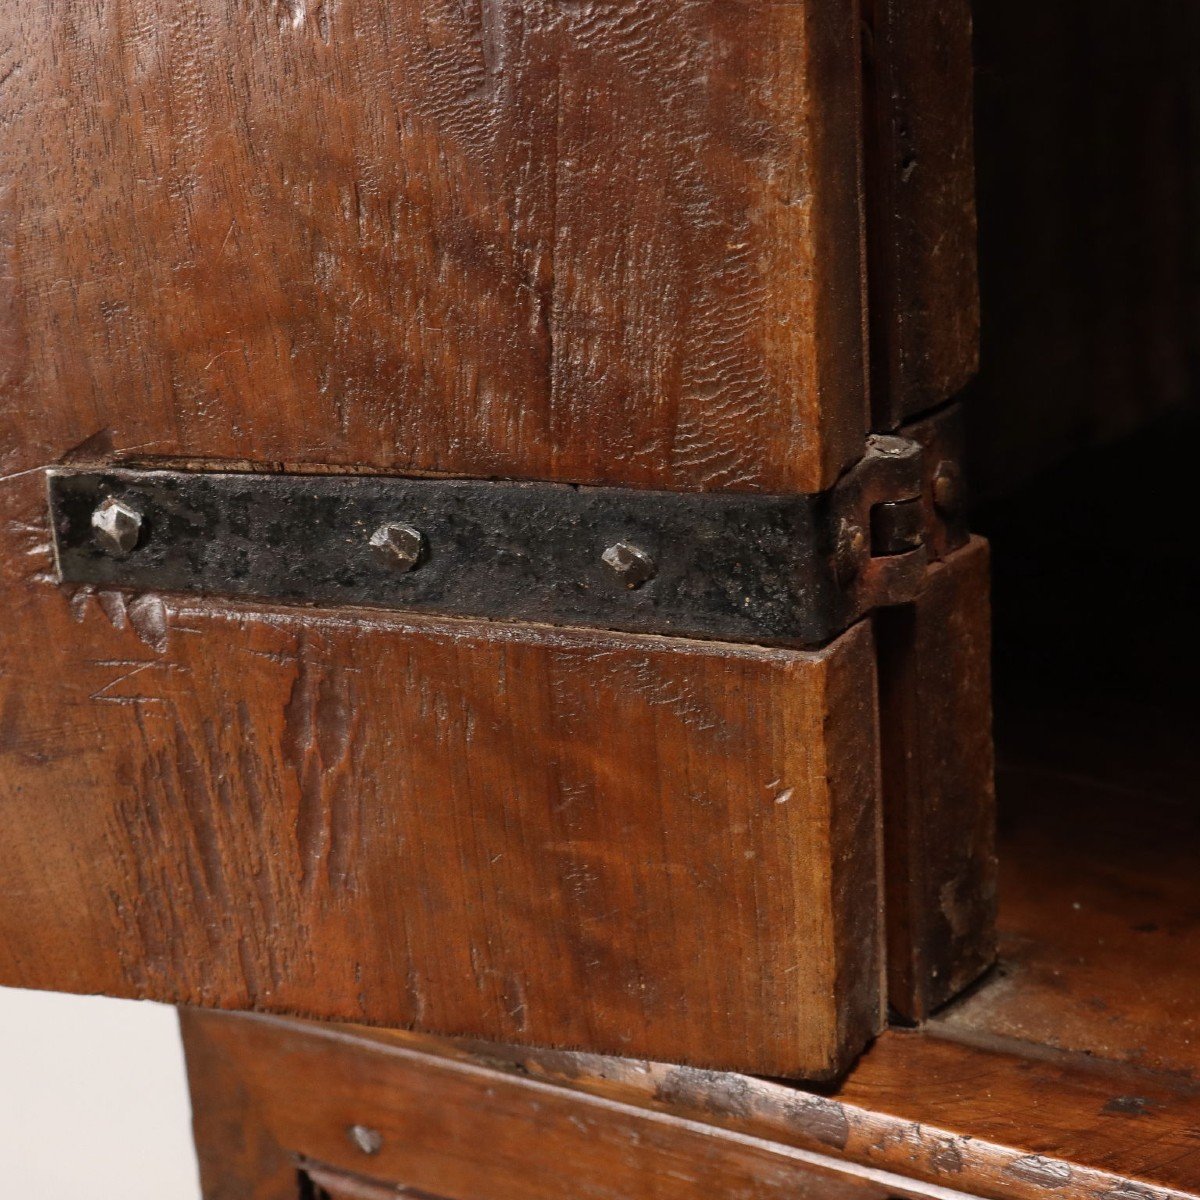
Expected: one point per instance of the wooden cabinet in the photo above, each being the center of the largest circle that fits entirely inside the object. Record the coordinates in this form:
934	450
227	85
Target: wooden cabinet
546	821
619	244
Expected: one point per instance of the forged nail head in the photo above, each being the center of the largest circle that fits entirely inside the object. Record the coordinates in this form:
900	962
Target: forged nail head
631	566
368	1140
947	489
399	546
117	526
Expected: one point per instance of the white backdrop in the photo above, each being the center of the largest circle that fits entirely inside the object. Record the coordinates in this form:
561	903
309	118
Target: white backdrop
93	1100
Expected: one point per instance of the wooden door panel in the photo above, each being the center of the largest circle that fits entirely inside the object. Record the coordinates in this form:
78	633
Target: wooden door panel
617	243
625	843
614	242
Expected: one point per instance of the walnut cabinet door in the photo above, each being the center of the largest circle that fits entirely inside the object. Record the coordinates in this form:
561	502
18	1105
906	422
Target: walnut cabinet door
439	530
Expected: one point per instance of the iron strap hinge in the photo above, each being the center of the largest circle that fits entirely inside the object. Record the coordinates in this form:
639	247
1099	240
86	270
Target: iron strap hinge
787	570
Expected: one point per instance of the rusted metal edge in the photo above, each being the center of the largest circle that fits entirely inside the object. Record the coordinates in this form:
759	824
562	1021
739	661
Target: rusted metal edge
788	570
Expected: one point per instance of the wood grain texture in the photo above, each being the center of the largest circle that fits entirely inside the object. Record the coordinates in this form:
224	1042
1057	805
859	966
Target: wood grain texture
920	1115
1096	717
268	1095
611	842
920	160
1069	1073
939	795
596	242
932	1106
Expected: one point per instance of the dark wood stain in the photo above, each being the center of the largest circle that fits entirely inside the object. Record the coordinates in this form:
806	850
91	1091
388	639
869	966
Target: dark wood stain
270	1095
919	1116
1022	1090
1102	834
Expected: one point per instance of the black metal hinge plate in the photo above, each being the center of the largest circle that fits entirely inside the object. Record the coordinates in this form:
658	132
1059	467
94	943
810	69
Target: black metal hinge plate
792	570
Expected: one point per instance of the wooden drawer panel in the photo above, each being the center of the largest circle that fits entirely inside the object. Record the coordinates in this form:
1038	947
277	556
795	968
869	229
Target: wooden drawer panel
270	1096
611	243
624	843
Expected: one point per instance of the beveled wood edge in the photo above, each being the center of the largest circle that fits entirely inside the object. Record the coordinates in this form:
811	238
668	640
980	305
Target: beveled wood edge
202	1039
887	1123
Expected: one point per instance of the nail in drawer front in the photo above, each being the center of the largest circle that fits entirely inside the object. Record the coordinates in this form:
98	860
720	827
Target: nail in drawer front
617	842
271	1096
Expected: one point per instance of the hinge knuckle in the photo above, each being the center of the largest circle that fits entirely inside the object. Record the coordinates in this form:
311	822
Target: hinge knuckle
901	507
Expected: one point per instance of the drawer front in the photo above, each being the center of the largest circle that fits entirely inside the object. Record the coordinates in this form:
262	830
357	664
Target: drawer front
616	842
283	1107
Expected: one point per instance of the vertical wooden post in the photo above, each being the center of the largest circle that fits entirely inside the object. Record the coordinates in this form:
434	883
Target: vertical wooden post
939	800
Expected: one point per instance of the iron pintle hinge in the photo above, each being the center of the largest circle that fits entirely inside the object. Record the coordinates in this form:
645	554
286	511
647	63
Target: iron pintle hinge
789	570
